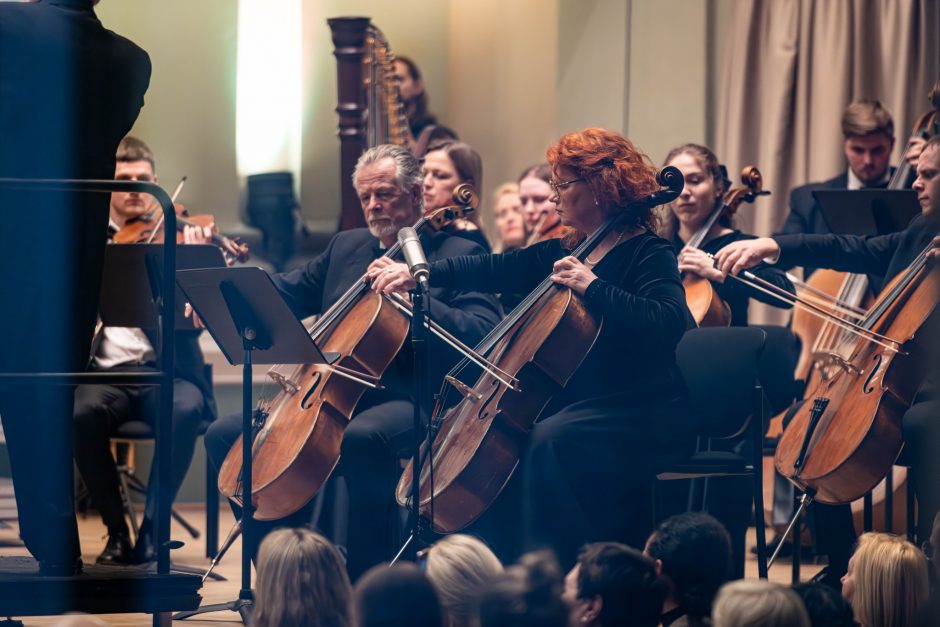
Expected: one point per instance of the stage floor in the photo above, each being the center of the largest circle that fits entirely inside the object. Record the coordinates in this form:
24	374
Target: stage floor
192	554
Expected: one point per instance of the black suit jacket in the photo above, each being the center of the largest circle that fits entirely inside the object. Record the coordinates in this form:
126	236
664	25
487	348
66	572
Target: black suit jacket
805	216
69	91
469	315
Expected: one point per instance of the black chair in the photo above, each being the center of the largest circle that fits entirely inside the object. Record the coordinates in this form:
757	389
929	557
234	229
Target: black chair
721	370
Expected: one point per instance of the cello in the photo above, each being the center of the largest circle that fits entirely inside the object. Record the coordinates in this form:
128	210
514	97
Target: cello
541	343
299	429
705	305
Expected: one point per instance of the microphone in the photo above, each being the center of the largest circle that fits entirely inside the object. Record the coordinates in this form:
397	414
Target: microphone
414	256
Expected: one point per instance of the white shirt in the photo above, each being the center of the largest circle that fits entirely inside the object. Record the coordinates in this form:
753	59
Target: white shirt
856	183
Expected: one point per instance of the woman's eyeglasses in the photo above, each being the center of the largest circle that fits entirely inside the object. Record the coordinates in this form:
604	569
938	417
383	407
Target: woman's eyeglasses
557	187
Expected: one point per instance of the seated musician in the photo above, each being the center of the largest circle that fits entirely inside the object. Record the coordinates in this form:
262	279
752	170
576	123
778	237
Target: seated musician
446	165
705	184
388	181
508	218
535	194
99	409
885	255
588	468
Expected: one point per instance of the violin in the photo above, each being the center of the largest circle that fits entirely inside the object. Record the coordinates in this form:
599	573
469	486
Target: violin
297	445
540	345
705	305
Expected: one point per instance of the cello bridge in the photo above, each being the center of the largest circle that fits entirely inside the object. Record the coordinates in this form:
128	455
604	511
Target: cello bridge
286	384
826	361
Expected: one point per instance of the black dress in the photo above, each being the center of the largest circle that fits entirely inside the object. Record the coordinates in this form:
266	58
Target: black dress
589	464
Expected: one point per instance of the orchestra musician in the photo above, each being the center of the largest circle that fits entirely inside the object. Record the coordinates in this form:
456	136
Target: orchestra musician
706	182
535	194
100	409
388	180
587	471
507	216
71	90
446	165
884	255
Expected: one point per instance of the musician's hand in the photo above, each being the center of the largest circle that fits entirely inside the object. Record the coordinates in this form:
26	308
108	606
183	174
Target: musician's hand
934	253
390	277
197	234
738	256
189	312
571	273
914	148
699	262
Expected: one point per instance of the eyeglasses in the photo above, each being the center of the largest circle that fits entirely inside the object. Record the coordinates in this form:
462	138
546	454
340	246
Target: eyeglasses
557	187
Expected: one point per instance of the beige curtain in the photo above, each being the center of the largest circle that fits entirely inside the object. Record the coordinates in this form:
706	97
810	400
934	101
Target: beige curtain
790	68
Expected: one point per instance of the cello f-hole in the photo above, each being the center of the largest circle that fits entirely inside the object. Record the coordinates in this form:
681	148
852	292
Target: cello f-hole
316	376
869	386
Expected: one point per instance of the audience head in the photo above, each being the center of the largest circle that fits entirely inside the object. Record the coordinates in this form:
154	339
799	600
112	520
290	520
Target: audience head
301	582
459	566
868	137
527	595
706	181
933	548
508	216
692	552
535	196
613	584
388	179
887	581
614	171
824	605
398	595
758	604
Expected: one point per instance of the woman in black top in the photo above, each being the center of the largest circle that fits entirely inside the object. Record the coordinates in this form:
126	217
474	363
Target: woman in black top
705	185
446	165
589	466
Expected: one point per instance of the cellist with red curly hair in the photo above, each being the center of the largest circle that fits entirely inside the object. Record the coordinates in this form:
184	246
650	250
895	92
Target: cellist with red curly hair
593	450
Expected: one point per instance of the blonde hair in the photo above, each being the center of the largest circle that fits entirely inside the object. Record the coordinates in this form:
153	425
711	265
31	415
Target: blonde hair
758	604
301	582
508	187
891	581
458	566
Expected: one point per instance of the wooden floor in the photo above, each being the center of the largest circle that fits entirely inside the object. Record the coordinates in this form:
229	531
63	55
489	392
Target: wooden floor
93	534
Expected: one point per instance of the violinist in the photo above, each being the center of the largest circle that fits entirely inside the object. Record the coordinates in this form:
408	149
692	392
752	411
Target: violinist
99	409
446	165
388	180
884	255
587	471
535	194
706	182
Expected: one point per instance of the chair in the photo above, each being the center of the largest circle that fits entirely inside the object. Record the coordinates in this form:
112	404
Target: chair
721	370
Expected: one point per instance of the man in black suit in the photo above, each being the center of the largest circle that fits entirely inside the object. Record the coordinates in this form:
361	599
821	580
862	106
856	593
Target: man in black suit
99	409
888	256
388	180
70	91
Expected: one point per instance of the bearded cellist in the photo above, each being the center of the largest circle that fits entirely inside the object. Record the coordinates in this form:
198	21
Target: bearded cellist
388	180
885	255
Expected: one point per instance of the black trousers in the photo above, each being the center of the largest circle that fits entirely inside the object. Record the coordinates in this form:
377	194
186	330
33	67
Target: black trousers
100	409
38	436
587	474
374	442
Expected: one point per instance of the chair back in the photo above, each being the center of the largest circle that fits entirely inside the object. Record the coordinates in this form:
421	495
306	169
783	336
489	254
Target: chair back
721	370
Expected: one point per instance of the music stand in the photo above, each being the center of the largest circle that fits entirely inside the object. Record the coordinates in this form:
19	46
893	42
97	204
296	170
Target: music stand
867	211
126	300
250	321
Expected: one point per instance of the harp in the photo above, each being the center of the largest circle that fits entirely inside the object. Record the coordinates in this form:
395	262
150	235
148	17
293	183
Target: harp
370	111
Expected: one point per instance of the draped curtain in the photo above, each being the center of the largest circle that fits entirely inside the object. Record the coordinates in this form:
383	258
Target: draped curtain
784	84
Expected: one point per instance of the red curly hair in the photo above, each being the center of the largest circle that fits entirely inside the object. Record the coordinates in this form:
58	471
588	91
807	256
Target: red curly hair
616	171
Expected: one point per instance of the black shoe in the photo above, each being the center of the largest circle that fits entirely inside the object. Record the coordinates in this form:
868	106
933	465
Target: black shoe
144	551
117	552
57	569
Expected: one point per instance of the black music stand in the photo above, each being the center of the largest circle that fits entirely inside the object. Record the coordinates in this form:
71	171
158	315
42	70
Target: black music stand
867	211
251	323
126	300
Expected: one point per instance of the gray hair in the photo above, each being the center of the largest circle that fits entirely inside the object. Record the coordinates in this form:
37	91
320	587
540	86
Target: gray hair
407	167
